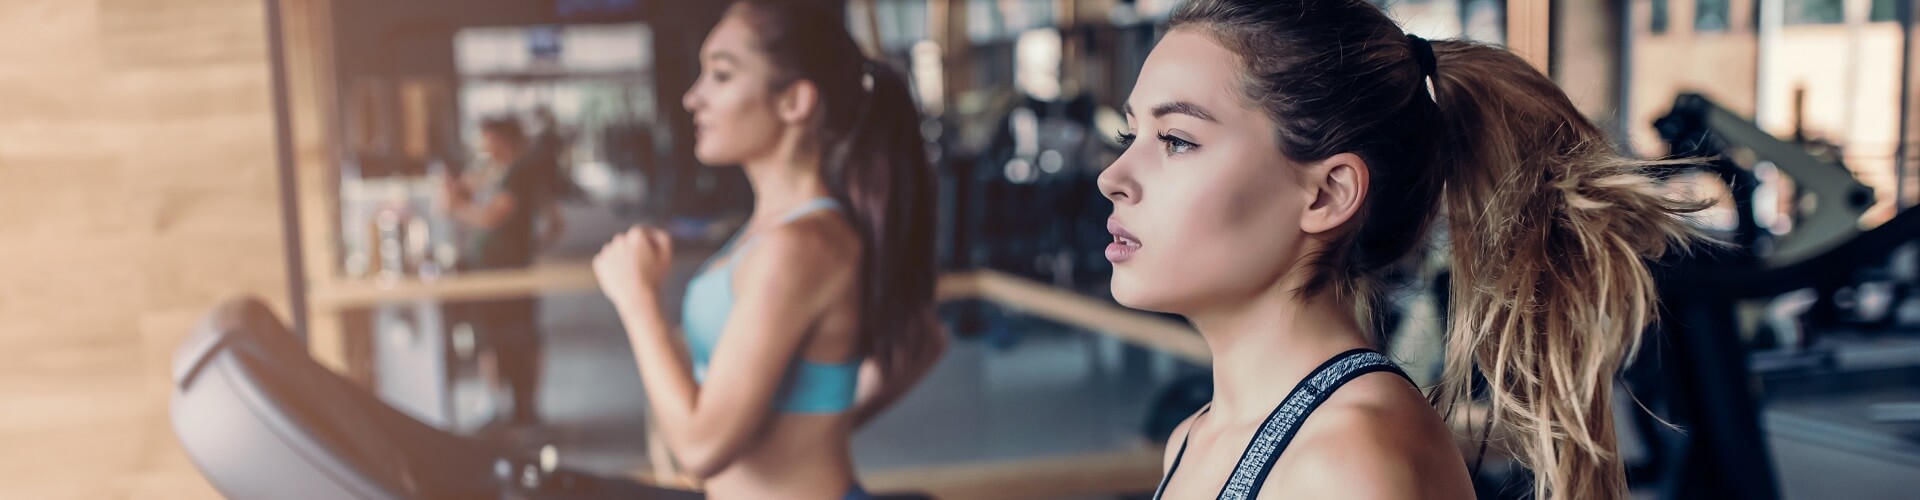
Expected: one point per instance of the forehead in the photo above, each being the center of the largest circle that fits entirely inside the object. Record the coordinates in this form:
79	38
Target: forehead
1188	66
733	36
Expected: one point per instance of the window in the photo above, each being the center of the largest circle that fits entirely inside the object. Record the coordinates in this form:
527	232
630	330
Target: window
1816	11
1659	16
1712	15
1884	10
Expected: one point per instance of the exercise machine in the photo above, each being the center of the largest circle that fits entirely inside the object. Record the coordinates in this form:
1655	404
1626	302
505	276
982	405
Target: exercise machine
261	419
1730	396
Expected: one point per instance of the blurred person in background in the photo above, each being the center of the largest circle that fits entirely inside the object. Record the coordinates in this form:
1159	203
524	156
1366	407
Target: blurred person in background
498	205
547	152
819	313
1284	156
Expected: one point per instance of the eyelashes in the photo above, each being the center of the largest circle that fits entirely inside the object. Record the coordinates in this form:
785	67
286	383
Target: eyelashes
1174	145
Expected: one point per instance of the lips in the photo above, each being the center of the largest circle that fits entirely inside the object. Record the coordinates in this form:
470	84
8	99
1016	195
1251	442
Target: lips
1124	243
1120	234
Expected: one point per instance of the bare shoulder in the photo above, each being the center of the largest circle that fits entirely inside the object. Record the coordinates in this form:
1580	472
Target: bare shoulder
1375	438
815	250
1176	441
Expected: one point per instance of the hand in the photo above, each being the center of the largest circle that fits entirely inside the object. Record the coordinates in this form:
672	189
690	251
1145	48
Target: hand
631	267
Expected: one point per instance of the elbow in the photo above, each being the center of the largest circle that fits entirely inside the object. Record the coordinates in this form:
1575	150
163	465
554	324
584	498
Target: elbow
703	462
703	457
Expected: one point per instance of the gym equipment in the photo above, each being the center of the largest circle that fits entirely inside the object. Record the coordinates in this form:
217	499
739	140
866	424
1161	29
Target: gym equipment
1698	372
1019	166
1032	208
1699	128
261	419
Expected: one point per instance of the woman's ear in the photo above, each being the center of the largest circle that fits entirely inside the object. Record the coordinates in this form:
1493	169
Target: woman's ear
1336	189
797	104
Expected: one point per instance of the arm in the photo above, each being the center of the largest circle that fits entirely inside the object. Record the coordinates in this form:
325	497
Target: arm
486	216
458	203
776	295
556	226
877	392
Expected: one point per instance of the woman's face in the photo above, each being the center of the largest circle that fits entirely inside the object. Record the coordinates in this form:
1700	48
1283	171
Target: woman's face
1206	208
733	101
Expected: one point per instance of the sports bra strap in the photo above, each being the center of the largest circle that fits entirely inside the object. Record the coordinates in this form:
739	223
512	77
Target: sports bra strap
734	248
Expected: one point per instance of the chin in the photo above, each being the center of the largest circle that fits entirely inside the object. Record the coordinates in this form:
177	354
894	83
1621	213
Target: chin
1133	292
711	158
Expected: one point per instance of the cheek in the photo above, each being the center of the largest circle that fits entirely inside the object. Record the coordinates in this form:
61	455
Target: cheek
738	121
731	102
1239	208
1239	227
1227	234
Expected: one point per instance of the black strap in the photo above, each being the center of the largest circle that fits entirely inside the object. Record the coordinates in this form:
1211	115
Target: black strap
1162	489
1250	475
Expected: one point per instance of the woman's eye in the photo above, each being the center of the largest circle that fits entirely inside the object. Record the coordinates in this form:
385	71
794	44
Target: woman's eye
1176	145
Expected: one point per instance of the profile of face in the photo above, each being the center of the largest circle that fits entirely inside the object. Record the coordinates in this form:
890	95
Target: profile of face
1206	206
734	100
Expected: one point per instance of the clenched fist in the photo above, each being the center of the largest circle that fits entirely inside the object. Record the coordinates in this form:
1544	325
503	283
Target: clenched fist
631	267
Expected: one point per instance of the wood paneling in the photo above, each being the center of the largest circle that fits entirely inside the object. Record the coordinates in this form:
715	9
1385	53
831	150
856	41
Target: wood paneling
1586	56
1527	23
136	190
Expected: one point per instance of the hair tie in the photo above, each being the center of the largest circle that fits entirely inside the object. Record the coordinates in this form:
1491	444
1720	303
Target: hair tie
866	76
1423	56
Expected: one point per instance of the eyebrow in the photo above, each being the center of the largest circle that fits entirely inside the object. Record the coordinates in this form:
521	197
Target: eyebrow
1177	107
723	56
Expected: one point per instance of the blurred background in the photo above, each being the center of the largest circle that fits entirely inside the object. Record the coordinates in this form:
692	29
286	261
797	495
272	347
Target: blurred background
161	157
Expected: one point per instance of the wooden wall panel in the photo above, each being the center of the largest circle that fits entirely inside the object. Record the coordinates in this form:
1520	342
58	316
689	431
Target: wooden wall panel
137	188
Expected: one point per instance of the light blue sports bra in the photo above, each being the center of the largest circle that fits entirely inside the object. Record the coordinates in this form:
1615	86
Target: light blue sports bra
808	387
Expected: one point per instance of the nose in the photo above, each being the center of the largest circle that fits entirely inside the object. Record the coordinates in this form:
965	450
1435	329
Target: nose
1117	182
690	100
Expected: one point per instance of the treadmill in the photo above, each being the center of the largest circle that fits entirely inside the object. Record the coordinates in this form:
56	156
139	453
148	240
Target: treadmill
262	420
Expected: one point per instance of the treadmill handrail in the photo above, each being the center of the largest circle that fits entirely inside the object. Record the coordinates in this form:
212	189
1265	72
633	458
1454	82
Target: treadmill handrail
1871	245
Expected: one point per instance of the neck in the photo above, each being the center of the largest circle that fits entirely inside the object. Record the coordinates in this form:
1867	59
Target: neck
784	180
1265	344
